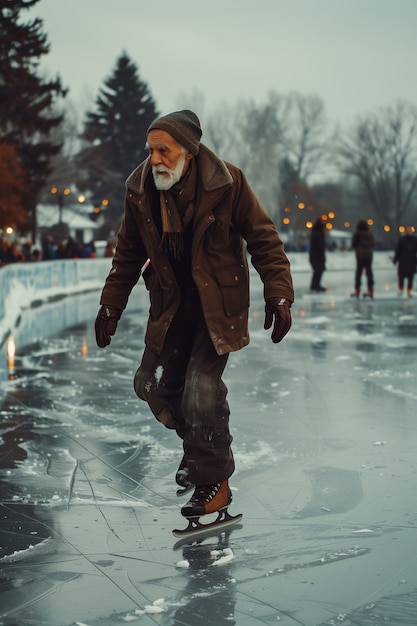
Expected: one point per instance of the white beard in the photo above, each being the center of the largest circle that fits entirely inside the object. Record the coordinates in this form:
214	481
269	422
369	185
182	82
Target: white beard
165	178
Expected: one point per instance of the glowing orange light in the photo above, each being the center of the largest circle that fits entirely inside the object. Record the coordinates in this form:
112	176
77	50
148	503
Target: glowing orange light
11	351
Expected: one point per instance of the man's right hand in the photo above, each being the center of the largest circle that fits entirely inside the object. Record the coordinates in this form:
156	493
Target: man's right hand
106	324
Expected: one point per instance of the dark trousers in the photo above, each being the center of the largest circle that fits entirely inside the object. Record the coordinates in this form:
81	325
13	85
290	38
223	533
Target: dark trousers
364	265
316	278
405	276
184	390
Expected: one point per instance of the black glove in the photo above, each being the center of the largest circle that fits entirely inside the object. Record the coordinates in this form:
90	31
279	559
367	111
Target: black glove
278	310
106	324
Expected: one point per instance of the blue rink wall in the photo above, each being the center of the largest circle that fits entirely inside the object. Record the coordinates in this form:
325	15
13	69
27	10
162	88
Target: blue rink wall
26	286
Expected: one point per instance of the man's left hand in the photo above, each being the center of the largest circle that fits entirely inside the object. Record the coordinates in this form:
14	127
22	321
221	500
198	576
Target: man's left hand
278	310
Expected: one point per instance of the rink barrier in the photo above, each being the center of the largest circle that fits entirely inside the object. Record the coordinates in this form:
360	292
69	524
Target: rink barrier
27	285
24	286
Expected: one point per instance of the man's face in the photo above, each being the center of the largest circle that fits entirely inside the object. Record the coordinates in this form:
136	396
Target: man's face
169	159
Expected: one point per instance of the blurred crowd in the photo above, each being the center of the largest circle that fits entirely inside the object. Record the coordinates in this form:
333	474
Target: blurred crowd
15	252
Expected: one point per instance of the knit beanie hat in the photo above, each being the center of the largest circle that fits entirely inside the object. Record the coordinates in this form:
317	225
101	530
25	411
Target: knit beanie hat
184	126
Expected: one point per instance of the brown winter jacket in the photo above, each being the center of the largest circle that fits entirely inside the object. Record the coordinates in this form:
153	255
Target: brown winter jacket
226	213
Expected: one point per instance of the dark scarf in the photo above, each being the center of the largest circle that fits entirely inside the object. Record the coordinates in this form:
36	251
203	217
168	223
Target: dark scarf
177	205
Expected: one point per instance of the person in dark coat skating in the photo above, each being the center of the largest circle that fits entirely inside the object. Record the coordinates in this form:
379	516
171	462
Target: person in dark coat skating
363	244
317	254
406	259
189	217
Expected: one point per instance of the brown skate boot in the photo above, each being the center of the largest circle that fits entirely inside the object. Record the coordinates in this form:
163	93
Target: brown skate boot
208	499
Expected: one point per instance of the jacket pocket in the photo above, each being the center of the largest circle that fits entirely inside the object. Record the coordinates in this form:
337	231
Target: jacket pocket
152	284
234	287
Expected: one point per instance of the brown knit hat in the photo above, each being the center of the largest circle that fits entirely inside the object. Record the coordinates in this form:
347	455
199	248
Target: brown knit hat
184	126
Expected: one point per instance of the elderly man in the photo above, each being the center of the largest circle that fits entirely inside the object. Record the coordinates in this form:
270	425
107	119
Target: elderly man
190	214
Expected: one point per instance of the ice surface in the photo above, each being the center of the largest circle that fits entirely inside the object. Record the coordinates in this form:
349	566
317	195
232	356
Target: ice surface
325	435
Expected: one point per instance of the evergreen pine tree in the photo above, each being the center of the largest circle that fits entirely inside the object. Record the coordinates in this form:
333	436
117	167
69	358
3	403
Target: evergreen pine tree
114	135
27	101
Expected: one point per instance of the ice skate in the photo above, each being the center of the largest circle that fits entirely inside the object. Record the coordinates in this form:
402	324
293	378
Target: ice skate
369	293
182	478
207	499
356	293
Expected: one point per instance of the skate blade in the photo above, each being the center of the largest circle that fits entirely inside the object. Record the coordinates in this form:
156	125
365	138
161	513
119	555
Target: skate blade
196	529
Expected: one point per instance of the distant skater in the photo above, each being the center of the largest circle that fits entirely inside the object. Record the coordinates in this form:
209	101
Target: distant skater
363	245
406	259
317	254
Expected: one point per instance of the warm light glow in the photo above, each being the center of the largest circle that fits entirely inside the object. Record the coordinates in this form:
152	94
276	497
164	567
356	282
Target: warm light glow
331	215
329	226
346	224
84	347
309	224
287	209
324	217
81	198
54	190
105	202
370	221
301	205
402	229
286	220
387	228
11	347
11	351
96	209
67	191
9	230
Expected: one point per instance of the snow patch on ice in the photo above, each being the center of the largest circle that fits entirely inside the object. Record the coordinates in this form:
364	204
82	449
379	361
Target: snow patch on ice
400	392
222	556
158	606
44	547
262	454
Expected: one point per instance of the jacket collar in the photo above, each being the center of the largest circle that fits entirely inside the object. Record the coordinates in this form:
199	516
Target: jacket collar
212	172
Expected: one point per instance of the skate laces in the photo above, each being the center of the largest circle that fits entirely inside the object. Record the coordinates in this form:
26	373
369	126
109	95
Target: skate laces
206	492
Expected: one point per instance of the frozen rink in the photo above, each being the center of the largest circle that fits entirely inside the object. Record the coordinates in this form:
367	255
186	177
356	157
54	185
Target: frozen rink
325	441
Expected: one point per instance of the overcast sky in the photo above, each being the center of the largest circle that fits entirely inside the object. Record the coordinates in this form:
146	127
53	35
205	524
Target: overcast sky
357	55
